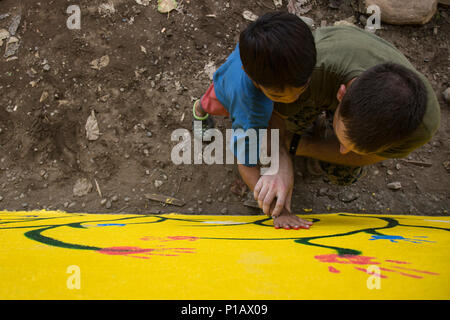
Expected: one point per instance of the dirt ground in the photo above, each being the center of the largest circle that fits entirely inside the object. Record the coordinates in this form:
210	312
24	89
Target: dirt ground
158	66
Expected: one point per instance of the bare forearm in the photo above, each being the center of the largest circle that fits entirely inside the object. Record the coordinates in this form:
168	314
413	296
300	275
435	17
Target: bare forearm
328	150
286	161
250	175
277	123
272	187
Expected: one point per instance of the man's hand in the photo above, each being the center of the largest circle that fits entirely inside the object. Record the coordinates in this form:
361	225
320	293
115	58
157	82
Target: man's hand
279	186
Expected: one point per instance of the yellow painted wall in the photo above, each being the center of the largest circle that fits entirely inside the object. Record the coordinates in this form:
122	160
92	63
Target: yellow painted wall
222	257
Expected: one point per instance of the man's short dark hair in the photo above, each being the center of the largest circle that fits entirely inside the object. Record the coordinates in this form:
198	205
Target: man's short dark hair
278	50
383	106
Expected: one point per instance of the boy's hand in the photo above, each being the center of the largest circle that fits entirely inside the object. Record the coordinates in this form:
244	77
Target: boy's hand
278	186
289	220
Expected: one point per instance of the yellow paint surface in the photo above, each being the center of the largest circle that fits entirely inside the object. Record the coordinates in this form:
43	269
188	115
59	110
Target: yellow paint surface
45	255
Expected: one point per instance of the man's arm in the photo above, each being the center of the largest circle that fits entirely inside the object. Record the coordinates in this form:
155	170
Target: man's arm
280	186
328	150
274	192
251	175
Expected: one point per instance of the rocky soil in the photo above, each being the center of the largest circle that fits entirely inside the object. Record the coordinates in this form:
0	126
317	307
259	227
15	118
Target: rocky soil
140	70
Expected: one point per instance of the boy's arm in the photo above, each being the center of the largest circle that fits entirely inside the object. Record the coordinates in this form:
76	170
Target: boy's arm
250	175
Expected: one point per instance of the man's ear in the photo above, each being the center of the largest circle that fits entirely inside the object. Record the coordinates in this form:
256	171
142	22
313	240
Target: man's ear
341	92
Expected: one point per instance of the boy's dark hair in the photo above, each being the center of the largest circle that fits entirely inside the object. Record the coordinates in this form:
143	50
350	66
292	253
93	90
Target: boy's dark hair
383	106
278	50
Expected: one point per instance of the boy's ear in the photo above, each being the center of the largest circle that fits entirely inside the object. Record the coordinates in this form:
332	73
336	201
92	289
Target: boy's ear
341	92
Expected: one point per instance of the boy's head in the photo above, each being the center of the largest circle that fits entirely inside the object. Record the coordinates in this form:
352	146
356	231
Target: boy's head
383	106
278	53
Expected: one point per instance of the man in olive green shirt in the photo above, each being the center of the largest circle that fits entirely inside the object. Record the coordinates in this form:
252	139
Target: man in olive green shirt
381	108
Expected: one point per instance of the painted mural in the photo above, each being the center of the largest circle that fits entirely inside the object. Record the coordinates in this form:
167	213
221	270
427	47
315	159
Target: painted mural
57	255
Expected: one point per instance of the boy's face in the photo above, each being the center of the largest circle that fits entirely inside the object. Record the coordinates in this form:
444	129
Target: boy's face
288	95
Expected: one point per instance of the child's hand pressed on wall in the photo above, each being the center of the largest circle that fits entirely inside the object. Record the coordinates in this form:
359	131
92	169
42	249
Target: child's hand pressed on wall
288	220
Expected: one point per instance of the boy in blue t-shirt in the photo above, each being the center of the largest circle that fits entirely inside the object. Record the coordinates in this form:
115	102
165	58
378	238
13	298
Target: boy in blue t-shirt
273	62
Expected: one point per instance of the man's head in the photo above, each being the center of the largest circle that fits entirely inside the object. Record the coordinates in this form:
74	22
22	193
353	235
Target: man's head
383	106
278	53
